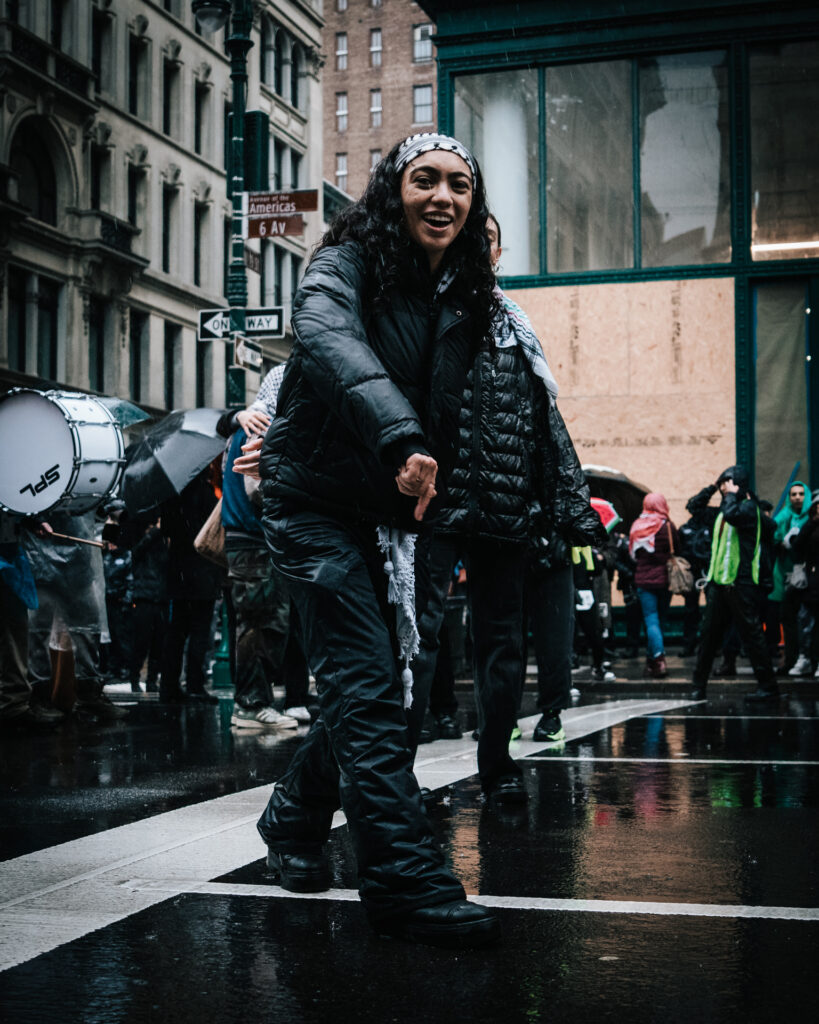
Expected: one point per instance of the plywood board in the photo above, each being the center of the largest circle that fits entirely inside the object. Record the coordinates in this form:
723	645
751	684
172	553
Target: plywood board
646	376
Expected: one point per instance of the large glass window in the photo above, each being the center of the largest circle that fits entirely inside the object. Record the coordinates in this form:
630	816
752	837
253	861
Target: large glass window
497	117
589	181
684	160
782	389
784	94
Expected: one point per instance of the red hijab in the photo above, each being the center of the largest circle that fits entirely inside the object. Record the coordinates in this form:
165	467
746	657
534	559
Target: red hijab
645	527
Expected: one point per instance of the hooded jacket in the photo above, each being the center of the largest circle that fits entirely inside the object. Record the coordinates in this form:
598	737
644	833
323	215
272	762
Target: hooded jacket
364	388
787	520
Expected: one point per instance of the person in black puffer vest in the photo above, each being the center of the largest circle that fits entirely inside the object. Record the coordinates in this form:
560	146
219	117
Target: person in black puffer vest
516	477
386	324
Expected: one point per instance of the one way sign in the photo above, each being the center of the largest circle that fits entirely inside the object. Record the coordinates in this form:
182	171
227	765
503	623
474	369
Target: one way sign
262	322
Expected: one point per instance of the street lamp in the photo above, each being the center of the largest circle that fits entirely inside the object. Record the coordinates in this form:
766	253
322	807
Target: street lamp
213	15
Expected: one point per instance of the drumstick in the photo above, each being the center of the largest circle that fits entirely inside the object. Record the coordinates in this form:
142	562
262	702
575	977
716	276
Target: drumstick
77	540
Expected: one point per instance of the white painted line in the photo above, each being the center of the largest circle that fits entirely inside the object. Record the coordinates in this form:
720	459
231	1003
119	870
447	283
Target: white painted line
742	718
730	910
682	759
59	894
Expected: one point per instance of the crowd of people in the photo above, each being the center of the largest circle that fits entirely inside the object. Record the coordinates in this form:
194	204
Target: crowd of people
409	458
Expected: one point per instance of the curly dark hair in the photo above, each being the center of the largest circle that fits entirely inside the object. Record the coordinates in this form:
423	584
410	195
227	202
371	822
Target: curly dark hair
376	222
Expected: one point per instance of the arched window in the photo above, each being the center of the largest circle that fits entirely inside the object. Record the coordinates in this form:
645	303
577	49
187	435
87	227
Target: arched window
37	182
296	73
281	56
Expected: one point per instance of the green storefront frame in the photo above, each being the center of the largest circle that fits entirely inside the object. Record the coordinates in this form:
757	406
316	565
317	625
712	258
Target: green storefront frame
478	38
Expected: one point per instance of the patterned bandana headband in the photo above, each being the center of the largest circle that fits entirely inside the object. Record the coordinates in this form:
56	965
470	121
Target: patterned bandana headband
415	145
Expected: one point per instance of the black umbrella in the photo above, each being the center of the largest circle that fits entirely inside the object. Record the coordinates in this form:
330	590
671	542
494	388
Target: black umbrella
169	456
624	493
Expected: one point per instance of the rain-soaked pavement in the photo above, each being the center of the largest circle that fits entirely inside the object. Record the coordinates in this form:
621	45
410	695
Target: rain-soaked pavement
665	869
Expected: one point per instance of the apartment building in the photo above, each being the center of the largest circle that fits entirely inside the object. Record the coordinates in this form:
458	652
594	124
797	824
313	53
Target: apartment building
379	84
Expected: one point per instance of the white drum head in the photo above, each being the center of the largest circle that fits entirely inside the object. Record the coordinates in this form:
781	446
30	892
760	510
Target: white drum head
36	453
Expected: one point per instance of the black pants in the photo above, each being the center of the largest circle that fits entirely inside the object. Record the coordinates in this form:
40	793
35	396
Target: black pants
789	610
742	603
549	603
358	751
187	620
148	621
495	574
691	619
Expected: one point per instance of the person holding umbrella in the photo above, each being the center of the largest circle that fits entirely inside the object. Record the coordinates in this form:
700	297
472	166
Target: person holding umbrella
390	314
169	469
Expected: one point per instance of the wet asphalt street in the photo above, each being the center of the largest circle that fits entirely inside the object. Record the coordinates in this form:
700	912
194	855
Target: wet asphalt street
665	869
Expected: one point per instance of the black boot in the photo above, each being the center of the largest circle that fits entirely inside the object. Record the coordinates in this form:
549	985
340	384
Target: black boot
454	925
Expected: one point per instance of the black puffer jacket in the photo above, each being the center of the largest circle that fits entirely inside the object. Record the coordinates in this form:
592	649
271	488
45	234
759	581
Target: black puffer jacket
363	390
518	476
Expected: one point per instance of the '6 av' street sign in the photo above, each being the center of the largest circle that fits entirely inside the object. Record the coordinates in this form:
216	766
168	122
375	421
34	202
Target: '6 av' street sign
262	322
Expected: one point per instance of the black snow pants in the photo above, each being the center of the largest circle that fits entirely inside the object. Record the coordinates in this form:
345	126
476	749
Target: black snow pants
357	752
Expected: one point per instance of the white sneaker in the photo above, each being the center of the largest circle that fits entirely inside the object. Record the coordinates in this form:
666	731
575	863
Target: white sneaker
261	718
574	692
301	714
801	667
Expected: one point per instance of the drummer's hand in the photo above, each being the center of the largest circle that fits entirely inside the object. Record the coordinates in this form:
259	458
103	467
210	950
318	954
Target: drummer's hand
43	529
417	478
249	462
253	421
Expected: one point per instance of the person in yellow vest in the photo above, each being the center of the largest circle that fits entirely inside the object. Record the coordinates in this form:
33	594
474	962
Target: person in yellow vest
736	584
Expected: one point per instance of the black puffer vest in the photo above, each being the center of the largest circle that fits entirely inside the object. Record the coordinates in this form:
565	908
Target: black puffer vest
492	490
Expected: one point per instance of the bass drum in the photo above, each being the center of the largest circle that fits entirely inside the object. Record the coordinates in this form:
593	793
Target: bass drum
57	448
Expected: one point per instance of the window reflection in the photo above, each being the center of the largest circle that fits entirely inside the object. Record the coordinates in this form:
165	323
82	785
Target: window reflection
589	190
781	421
684	160
496	115
784	92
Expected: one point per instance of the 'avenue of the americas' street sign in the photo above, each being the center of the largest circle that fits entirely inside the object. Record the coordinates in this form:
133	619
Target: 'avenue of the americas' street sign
263	322
271	214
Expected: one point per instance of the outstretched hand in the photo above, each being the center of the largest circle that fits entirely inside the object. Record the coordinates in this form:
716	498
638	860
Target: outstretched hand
416	478
249	462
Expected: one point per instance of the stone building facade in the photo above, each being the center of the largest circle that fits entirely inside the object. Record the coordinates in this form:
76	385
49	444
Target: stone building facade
379	84
113	202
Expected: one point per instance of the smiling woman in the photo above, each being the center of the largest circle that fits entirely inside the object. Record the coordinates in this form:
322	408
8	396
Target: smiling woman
436	191
394	306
